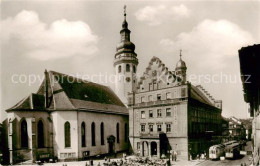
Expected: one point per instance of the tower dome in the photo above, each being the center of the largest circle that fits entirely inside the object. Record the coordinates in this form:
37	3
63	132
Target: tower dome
180	64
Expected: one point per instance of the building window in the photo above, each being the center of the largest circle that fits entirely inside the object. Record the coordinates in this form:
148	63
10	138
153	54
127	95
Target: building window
142	99
138	145
142	114
155	85
168	128
24	134
83	134
119	69
151	128
93	134
150	98
127	68
134	69
126	132
159	113
159	127
150	113
159	96
102	140
117	132
40	134
150	86
142	128
67	134
168	112
168	95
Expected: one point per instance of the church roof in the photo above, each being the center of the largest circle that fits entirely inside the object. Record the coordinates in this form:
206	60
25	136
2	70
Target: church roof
70	93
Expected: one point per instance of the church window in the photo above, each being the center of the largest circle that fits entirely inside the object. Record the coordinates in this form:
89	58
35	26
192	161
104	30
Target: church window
126	133
93	134
67	134
40	134
83	134
102	134
127	68
117	132
134	69
24	134
119	69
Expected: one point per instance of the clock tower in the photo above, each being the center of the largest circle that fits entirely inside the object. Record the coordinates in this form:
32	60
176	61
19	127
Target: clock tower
125	63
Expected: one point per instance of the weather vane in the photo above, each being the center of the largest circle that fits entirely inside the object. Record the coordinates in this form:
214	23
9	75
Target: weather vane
124	10
180	52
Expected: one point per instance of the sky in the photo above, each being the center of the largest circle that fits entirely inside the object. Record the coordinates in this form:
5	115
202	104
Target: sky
79	37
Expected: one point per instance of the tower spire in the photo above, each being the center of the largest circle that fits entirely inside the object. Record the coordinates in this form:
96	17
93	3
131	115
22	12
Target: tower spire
180	54
125	11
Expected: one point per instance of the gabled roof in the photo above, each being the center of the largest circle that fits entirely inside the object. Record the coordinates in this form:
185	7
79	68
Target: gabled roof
70	93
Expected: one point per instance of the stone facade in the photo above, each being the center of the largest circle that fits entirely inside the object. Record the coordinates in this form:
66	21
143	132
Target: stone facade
167	113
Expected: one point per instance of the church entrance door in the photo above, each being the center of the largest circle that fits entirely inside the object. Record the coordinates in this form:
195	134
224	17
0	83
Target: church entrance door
111	144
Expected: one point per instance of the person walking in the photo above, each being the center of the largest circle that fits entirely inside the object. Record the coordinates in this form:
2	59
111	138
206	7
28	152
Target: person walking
175	155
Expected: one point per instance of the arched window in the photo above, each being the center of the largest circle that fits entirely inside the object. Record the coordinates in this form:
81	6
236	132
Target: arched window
117	132
67	134
102	133
126	133
83	134
24	134
119	69
93	134
40	134
134	69
127	68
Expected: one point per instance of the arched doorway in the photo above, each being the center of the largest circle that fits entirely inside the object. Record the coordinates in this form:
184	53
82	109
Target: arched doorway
153	148
111	144
145	149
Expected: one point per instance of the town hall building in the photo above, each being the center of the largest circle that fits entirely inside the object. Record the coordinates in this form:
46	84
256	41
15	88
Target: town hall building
166	112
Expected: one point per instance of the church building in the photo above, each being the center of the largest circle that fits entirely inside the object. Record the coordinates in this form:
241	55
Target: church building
68	119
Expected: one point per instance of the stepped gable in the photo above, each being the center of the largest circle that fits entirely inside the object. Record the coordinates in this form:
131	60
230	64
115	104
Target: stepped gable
157	65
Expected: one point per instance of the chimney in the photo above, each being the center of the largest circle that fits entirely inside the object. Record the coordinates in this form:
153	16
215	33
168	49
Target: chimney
46	89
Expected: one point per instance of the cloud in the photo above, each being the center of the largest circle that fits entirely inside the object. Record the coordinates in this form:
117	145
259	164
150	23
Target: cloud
60	39
210	43
156	15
